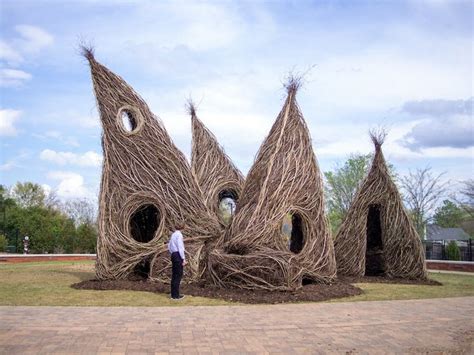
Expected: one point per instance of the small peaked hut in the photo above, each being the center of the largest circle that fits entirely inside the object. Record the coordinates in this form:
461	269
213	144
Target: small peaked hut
284	180
147	187
377	236
218	178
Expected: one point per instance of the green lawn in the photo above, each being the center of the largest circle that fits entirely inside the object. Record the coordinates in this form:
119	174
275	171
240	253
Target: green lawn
48	284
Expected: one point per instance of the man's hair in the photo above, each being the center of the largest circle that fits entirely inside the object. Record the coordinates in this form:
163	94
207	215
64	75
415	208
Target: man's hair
180	225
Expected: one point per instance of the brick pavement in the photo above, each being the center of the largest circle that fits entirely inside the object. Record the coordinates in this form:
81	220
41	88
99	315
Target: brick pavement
439	325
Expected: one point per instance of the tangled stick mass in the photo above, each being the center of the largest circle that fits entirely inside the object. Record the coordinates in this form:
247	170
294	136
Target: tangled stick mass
377	236
148	187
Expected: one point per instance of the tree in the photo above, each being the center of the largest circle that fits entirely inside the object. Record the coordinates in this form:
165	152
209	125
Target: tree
342	185
49	230
452	251
422	192
86	238
5	203
449	215
3	243
467	200
28	194
81	210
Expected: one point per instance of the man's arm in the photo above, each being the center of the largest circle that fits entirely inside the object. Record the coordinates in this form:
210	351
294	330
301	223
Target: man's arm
181	247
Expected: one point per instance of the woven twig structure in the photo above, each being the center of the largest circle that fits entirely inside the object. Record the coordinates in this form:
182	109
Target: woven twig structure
217	176
377	236
147	187
284	179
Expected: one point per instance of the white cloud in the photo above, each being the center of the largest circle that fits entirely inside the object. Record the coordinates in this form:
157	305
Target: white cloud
9	165
66	140
32	39
9	54
71	185
8	119
13	77
89	121
89	158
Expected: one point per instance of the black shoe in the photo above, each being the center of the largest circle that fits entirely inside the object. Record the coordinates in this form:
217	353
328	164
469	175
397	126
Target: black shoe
178	298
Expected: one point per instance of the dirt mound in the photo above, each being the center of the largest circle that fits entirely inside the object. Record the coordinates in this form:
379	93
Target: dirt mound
308	293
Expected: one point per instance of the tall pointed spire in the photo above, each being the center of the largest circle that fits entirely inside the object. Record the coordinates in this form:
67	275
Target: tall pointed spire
217	176
284	180
147	187
377	237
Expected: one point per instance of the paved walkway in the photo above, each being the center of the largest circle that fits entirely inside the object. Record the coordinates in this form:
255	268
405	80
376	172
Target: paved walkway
442	325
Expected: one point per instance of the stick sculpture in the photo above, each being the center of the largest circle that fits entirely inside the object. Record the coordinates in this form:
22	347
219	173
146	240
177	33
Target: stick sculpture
147	186
285	179
377	236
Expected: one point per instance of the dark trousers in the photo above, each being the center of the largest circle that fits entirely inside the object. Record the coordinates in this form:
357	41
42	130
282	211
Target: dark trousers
177	267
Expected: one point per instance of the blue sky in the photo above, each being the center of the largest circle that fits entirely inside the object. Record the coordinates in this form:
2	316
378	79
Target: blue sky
404	65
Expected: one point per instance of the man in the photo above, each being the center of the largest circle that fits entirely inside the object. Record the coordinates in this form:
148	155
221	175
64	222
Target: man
178	260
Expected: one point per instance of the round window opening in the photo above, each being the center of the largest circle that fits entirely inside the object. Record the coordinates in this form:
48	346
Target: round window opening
227	205
293	232
144	222
129	119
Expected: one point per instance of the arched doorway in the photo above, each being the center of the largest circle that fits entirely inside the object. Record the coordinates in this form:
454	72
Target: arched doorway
297	233
374	256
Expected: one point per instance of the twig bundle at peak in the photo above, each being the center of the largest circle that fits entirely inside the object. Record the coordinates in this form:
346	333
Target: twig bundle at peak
378	137
293	83
377	235
87	51
191	107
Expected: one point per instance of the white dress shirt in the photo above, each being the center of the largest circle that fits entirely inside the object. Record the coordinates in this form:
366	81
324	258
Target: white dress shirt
176	244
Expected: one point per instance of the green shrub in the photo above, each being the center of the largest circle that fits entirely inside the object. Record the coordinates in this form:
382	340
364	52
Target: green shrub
452	251
3	243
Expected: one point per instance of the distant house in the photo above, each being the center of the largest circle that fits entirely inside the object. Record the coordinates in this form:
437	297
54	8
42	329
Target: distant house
435	232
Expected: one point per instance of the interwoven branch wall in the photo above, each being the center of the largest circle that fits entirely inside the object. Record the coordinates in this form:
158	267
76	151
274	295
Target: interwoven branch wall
212	168
143	167
284	179
403	252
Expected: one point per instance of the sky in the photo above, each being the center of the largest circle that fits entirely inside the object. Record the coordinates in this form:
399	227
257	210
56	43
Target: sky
406	66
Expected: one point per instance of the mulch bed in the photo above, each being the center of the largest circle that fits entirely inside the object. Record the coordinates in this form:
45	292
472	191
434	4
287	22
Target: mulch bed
342	287
308	293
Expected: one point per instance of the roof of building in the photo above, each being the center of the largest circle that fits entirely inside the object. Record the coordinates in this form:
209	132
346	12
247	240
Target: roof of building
435	232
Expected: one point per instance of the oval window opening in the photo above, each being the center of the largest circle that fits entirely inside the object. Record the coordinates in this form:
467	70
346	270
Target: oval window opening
144	223
296	234
129	121
227	205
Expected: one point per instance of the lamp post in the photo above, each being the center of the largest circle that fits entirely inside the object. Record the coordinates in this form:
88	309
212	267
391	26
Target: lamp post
26	244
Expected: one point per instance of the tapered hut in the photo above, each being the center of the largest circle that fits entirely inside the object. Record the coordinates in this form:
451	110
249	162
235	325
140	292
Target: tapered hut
284	180
220	181
377	236
146	188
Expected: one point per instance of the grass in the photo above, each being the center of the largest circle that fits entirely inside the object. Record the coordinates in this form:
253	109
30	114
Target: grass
453	285
48	284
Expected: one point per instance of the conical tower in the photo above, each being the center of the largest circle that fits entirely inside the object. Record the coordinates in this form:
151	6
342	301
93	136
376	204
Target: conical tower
216	175
147	187
284	180
377	236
